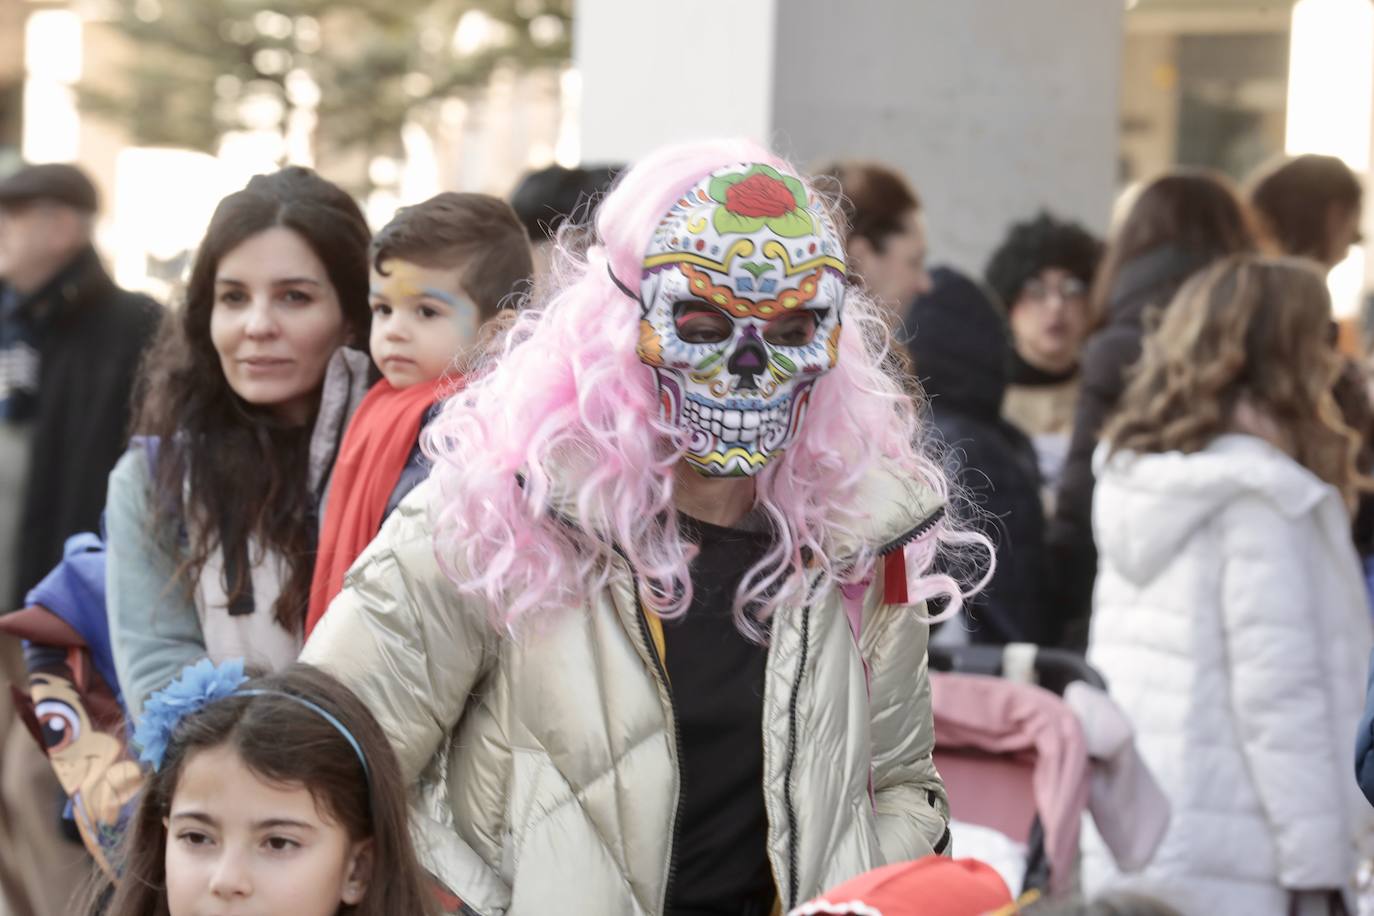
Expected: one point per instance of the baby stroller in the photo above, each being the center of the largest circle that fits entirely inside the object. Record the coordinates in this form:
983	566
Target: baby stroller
1027	741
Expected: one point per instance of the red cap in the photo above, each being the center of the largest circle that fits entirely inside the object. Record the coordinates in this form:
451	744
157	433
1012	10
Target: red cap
933	886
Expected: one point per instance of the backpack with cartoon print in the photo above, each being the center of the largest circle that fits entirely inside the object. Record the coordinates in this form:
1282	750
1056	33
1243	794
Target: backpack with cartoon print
72	704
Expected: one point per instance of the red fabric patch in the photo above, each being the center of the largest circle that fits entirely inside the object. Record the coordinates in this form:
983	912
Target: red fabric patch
894	577
447	900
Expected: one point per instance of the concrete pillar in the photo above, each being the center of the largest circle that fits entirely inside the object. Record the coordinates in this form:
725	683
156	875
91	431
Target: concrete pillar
994	108
653	72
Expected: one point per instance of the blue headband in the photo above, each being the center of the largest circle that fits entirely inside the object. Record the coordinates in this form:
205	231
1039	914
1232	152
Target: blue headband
324	714
200	685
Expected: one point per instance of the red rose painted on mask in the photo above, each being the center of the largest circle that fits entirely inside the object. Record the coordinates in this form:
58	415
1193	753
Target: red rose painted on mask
760	196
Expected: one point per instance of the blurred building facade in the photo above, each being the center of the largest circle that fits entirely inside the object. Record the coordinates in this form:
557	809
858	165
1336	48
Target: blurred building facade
1204	82
993	109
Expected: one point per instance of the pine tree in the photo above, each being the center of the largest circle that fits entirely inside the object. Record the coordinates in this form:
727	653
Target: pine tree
200	68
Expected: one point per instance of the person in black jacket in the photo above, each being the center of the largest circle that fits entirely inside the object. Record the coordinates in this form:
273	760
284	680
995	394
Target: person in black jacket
70	342
1179	223
961	352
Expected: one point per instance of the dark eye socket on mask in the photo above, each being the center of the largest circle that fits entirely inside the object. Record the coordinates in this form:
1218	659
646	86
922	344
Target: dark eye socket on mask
796	329
698	322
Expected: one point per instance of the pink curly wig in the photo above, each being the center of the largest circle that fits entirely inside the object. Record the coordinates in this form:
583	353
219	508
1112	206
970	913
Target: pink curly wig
554	459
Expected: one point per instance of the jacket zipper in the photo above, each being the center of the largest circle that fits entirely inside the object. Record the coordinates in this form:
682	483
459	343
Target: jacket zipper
790	764
924	527
920	530
793	882
677	743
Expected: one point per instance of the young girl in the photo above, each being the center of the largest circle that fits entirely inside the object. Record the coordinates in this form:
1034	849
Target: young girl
1230	616
640	608
278	796
212	520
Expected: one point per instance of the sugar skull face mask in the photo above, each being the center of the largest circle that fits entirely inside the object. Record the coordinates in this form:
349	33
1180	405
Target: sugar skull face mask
741	294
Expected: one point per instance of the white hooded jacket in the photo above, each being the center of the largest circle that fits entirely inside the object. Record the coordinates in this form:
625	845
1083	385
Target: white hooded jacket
1231	622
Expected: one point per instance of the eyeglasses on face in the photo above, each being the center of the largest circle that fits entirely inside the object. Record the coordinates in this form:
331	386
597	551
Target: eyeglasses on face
1069	289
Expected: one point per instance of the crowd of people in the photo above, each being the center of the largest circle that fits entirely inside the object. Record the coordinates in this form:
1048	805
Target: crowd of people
592	552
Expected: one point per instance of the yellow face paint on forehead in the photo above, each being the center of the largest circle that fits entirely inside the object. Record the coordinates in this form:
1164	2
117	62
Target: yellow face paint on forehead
402	280
405	283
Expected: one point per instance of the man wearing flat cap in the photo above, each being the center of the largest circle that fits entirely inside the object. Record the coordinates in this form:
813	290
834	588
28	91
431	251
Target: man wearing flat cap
70	342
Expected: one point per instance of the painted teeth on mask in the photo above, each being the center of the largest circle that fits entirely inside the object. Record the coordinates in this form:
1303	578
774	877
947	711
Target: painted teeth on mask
732	426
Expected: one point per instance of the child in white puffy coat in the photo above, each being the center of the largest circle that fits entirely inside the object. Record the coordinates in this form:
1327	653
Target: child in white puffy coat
1230	616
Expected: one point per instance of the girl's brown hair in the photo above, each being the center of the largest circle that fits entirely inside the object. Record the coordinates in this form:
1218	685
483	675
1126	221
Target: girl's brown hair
228	472
1252	332
287	743
1195	211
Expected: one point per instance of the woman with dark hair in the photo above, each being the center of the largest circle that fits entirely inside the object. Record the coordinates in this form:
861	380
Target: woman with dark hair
885	233
1042	271
1309	207
1179	223
211	515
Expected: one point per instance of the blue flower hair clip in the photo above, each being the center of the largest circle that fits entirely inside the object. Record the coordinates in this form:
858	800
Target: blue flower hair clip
198	686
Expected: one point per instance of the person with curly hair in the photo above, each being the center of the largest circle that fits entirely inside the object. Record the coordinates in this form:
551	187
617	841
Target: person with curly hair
1230	614
1042	271
654	628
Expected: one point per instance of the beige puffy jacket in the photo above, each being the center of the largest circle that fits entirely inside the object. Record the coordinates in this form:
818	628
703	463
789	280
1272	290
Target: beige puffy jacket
550	759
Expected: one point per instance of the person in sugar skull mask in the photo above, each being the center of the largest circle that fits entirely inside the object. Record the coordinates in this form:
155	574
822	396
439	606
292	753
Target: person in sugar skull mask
743	289
657	617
